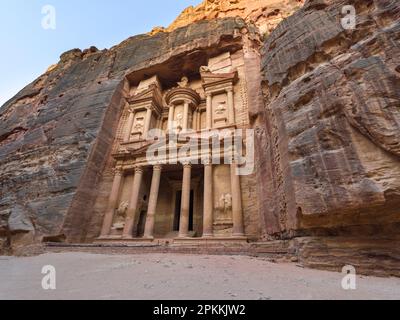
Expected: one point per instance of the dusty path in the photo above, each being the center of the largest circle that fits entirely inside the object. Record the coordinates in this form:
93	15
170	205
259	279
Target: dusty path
182	277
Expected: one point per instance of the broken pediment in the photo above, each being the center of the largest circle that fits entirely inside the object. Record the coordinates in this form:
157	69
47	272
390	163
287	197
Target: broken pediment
181	94
210	79
151	96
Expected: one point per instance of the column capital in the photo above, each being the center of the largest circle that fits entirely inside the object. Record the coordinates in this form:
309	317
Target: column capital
139	169
230	89
118	171
149	108
207	161
157	167
187	164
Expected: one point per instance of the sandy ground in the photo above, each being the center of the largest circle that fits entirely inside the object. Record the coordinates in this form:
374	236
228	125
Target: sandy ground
181	277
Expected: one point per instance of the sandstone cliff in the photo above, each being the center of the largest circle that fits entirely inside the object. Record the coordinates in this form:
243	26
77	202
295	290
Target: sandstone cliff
332	115
265	14
55	135
324	103
330	135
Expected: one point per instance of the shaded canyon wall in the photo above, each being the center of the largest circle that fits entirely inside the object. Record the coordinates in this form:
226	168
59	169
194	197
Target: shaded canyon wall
56	134
330	137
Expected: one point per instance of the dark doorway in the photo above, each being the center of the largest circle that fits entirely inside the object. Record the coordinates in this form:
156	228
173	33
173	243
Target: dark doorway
178	204
141	224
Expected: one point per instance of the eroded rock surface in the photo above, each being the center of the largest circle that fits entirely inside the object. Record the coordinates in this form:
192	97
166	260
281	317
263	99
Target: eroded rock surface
325	108
55	135
265	14
331	160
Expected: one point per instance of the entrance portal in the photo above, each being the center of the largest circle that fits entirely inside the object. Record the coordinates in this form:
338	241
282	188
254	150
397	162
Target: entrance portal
141	224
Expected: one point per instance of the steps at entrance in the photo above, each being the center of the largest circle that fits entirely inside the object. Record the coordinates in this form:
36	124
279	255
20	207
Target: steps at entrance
180	246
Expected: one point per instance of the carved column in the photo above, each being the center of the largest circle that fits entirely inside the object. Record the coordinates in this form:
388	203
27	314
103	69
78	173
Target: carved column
194	122
209	112
237	211
208	219
159	123
185	116
154	190
128	128
147	122
133	203
112	203
231	107
199	121
171	118
185	208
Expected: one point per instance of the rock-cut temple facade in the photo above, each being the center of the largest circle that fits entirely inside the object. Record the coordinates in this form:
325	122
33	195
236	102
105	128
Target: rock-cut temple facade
194	191
132	146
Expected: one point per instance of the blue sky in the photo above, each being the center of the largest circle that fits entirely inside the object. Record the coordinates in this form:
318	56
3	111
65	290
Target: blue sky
27	49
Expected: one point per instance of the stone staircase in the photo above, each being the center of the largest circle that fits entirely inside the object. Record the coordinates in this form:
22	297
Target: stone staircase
272	250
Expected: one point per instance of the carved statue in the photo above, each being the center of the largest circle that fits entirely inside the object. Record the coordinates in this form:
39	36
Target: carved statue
204	69
221	204
228	202
121	215
224	203
179	119
184	83
139	125
221	109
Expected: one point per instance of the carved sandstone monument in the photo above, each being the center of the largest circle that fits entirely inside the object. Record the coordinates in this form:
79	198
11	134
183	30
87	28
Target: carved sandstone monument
323	103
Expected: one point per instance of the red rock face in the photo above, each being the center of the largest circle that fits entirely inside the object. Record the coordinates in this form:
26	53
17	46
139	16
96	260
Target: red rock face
57	133
330	142
265	14
325	108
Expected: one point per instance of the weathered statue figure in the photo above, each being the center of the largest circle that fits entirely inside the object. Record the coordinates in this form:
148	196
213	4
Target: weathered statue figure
221	109
121	216
204	69
228	203
179	120
184	83
139	125
224	204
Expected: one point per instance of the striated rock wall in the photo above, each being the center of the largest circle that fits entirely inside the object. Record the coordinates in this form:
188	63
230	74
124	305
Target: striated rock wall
330	137
324	103
265	14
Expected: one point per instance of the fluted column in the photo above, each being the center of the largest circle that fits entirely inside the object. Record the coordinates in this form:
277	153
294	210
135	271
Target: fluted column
133	204
237	210
112	204
171	115
149	114
185	203
209	112
128	128
231	107
208	219
154	190
185	116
